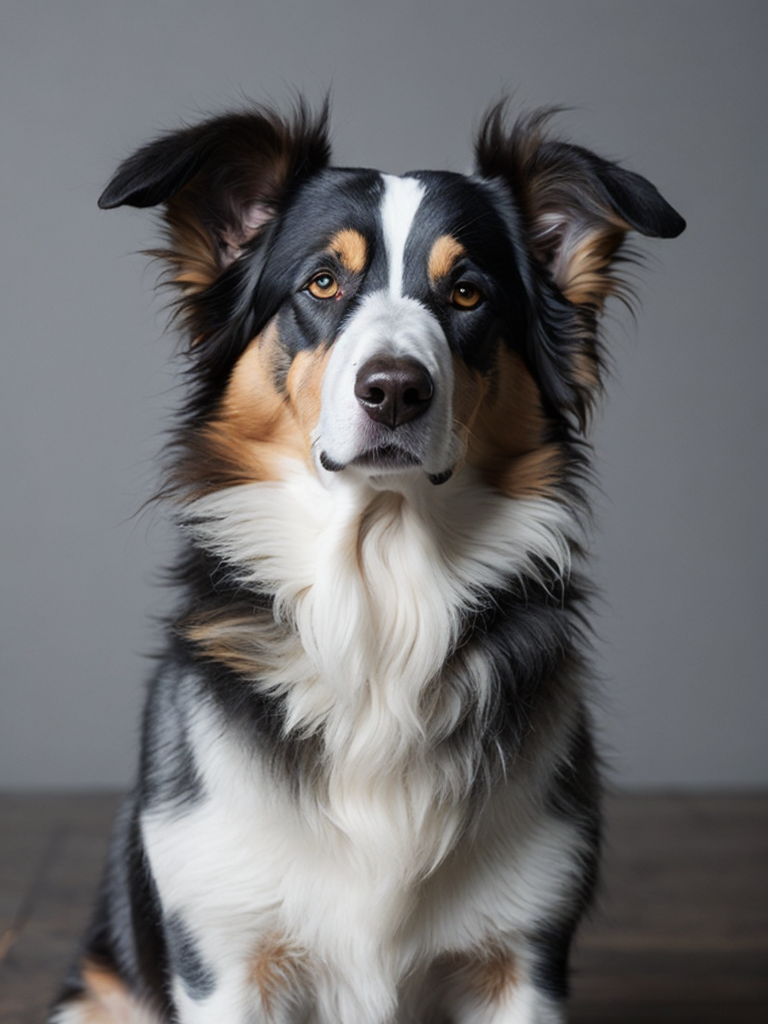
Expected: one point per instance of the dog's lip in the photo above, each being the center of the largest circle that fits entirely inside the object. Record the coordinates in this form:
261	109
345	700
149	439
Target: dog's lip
386	456
380	457
383	458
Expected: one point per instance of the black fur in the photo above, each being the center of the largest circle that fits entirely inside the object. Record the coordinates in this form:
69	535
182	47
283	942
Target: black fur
250	205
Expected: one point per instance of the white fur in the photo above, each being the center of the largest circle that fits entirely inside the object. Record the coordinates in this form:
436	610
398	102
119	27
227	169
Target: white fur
388	326
402	198
372	585
264	867
368	589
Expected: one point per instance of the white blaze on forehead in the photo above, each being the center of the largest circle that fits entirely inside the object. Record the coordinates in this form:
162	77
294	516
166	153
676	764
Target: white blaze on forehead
402	197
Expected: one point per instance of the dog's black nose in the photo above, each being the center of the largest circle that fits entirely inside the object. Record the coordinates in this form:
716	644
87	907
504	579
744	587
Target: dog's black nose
393	391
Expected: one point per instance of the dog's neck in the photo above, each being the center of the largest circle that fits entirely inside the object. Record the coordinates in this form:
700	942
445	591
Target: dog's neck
371	591
377	583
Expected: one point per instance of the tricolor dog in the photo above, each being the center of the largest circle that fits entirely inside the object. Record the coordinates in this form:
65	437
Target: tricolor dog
368	792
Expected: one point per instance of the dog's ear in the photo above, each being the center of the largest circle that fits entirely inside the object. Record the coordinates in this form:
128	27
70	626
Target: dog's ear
577	207
576	210
221	182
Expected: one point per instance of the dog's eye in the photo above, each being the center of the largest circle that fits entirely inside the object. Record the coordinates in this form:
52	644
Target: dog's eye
323	286
466	296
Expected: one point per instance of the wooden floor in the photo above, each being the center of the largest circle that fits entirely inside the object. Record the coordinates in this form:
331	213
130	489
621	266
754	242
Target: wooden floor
681	936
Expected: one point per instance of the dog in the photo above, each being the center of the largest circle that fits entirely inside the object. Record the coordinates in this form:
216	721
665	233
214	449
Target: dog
368	789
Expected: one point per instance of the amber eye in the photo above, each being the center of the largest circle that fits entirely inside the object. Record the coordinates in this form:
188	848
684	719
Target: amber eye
323	286
466	296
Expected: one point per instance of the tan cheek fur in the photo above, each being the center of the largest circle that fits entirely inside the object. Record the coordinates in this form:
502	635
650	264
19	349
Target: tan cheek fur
258	425
305	384
507	433
469	389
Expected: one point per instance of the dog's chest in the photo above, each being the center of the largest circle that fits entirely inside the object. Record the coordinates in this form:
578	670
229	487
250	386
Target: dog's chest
336	860
367	884
252	859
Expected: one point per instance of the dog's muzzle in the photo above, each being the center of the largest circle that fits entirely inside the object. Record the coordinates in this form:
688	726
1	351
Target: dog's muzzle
387	394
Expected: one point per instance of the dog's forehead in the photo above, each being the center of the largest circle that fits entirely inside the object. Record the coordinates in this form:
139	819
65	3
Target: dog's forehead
413	210
456	202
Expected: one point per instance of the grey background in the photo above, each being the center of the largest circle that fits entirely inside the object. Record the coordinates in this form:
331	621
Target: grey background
676	89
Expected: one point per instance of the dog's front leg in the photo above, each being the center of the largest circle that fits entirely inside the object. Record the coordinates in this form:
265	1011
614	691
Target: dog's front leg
270	987
523	1005
239	1004
494	985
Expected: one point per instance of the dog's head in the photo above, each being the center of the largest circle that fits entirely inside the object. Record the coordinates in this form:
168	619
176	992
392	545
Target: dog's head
385	327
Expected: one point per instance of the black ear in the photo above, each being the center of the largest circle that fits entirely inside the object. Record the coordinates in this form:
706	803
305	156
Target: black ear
221	181
633	197
575	211
577	207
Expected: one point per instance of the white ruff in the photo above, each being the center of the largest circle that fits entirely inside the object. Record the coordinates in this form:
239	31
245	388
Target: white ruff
369	589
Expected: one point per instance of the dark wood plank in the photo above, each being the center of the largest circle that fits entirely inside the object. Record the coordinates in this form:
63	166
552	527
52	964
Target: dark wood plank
680	936
54	875
681	931
659	987
23	836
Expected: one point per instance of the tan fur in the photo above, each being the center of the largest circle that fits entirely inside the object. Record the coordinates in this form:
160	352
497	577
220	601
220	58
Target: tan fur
305	383
106	1000
258	424
443	256
586	369
493	974
489	973
193	254
276	968
469	389
507	439
240	640
584	280
351	248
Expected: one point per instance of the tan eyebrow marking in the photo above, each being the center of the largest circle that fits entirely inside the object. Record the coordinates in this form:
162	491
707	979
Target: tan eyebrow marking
445	252
351	248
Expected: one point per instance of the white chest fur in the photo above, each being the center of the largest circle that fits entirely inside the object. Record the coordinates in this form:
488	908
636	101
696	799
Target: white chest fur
369	591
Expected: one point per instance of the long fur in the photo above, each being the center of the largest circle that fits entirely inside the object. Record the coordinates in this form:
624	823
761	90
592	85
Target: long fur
368	792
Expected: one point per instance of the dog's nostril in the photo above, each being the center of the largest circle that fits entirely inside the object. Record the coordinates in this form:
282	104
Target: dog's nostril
374	396
412	396
393	391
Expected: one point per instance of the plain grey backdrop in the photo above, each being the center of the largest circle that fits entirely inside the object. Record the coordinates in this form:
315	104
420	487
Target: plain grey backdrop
676	89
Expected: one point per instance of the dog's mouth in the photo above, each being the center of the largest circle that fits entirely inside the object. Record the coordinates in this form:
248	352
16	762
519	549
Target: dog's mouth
385	458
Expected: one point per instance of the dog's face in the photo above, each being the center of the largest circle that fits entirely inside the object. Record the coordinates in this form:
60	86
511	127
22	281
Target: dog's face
380	327
393	296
